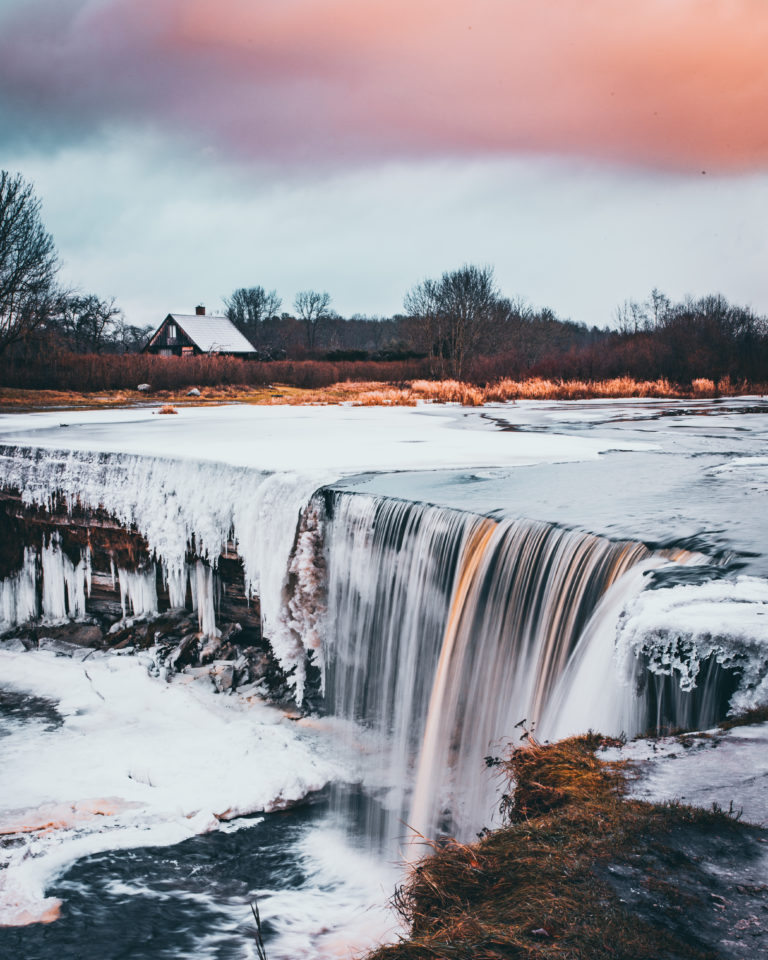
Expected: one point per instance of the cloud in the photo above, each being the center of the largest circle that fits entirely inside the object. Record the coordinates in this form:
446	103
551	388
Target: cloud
137	219
676	84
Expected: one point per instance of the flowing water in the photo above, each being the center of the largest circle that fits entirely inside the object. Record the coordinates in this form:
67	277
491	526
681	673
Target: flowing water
447	612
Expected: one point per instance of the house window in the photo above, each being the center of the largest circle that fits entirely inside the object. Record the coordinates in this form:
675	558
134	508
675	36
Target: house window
165	353
187	351
171	334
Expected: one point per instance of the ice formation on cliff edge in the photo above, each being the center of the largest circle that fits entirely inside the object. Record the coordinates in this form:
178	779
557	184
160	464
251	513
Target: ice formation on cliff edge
678	628
173	503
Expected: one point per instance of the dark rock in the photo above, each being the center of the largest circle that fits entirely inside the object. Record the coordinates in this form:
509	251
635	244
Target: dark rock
63	649
223	677
184	654
79	634
210	650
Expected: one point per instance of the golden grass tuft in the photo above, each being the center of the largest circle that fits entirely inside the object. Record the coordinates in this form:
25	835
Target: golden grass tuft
537	888
167	408
702	387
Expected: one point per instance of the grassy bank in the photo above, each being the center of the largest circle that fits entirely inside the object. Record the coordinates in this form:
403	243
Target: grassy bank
579	871
373	393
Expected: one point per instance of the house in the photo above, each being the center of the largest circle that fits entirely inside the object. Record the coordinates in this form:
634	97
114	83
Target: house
187	335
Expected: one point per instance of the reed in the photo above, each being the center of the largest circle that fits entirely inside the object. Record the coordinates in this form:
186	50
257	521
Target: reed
332	388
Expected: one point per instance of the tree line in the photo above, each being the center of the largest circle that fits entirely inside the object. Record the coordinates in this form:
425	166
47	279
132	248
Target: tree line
458	325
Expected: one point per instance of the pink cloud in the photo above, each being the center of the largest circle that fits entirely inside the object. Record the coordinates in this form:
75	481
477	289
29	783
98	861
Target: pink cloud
667	83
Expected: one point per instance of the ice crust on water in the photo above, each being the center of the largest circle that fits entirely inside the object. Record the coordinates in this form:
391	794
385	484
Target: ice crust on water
678	628
173	759
724	767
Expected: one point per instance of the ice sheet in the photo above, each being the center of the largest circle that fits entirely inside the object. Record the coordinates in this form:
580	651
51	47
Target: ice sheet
727	768
330	439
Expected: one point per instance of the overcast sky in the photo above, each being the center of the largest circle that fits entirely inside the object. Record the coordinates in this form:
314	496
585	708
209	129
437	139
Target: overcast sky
589	151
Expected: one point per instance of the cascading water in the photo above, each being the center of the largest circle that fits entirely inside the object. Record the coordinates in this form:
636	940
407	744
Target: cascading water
446	629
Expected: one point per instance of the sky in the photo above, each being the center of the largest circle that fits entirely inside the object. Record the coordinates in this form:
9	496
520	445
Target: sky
589	151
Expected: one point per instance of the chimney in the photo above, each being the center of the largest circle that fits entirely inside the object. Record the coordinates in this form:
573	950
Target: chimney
200	310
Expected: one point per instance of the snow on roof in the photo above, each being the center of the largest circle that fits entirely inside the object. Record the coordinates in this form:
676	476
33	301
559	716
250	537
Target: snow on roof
213	334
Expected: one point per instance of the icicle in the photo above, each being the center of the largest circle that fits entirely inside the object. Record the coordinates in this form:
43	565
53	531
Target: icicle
18	594
176	581
206	606
54	580
138	592
172	502
88	570
64	584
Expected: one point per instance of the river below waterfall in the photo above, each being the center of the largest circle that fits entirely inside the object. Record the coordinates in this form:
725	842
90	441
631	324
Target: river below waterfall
453	572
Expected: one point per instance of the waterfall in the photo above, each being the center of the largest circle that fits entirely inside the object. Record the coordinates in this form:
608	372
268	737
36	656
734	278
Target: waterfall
446	630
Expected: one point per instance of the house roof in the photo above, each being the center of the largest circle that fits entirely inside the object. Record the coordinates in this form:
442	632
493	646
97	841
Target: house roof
212	334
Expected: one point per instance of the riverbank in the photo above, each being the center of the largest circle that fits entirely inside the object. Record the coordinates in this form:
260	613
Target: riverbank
581	869
370	393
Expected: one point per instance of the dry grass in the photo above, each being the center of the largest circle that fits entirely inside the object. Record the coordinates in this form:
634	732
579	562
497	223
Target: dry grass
536	888
368	393
703	387
756	715
167	408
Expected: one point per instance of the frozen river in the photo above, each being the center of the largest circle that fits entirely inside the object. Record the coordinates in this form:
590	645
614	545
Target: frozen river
133	809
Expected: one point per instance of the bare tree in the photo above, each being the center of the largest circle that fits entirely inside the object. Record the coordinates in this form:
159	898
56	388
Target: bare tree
631	317
127	337
457	310
423	304
88	323
312	308
658	306
249	307
28	262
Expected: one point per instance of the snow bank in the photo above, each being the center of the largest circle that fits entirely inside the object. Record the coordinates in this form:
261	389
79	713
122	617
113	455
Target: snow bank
136	762
678	628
